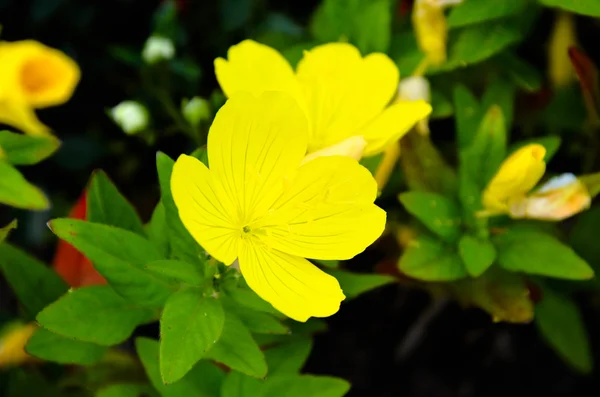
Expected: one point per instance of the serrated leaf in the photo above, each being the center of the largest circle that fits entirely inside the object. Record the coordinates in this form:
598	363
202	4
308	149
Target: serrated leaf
17	192
93	314
550	143
256	321
204	380
183	245
355	284
534	252
560	323
477	254
127	390
477	11
4	231
119	255
157	230
21	149
190	325
33	282
59	349
585	7
429	259
237	349
106	205
438	213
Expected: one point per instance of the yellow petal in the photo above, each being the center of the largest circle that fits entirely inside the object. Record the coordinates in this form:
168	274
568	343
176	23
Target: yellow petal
203	209
253	143
392	124
344	91
352	147
255	68
37	74
12	345
327	212
291	284
18	114
518	174
431	30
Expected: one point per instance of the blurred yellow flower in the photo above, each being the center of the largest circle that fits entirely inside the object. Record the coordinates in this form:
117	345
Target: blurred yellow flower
12	344
560	68
259	205
33	76
518	174
343	94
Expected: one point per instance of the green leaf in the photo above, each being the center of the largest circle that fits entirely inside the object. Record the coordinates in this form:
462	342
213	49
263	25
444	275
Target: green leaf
190	325
106	205
4	231
501	93
442	107
237	384
585	7
157	230
438	213
355	284
405	51
305	385
34	283
523	75
17	192
248	298
584	237
476	11
559	321
183	245
238	350
534	252
127	390
119	255
177	272
477	254
467	116
93	314
372	163
256	321
429	259
551	143
288	357
204	380
476	43
21	149
27	382
59	349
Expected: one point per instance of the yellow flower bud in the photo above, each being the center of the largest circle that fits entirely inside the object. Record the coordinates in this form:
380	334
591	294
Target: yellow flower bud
559	198
518	174
560	69
12	345
350	147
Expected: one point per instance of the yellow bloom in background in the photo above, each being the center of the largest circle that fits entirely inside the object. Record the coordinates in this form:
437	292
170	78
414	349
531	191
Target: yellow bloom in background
559	198
560	68
431	28
343	94
33	76
12	345
259	205
518	174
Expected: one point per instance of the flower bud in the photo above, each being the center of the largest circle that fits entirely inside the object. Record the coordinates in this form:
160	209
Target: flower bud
158	48
416	88
560	69
351	147
196	110
131	116
12	344
559	198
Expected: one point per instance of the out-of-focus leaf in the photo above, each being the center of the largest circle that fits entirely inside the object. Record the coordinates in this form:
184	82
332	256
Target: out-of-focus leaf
566	112
27	382
476	11
592	183
524	75
119	255
500	93
5	230
585	7
404	50
190	325
467	115
355	284
21	149
429	259
44	9
371	163
59	349
534	252
17	192
477	254
442	107
560	323
584	237
33	282
235	13
438	213
502	294
127	390
305	385
550	143
93	314
106	205
589	80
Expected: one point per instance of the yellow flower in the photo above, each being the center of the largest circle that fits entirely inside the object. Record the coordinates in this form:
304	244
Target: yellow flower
33	76
431	28
342	94
560	68
258	205
559	198
12	345
518	174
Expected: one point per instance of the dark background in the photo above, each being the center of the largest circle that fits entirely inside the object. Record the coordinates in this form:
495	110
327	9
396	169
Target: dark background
390	342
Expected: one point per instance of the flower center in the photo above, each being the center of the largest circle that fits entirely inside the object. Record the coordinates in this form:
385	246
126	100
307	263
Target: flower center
246	229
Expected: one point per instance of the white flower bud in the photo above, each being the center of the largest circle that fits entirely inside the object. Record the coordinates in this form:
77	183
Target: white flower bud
158	48
196	110
131	116
416	88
